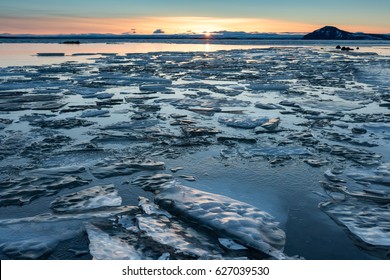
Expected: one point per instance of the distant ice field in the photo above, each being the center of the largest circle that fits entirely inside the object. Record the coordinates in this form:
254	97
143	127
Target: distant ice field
22	52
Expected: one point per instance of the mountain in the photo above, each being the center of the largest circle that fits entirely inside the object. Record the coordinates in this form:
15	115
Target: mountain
333	33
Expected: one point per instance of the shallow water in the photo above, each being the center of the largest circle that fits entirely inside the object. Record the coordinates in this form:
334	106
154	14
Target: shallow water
203	117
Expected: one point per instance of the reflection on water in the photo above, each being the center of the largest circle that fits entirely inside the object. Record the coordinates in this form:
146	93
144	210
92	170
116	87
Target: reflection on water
20	54
25	54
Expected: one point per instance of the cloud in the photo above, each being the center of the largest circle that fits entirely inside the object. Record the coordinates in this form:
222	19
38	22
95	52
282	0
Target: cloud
224	34
132	31
158	31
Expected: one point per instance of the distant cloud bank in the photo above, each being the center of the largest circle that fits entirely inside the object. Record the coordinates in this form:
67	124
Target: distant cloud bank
158	31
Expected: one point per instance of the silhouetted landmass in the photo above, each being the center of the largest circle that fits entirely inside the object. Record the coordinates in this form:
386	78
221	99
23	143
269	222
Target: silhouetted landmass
333	33
72	42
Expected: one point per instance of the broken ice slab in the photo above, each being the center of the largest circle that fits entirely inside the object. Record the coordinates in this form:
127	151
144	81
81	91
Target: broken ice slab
207	110
316	162
32	249
380	176
50	54
269	106
230	152
37	237
35	240
109	102
182	122
152	233
54	171
367	223
243	122
46	146
104	95
146	80
240	139
29	98
288	103
138	98
95	113
369	194
87	199
26	101
273	151
112	167
268	87
187	177
150	208
230	244
67	123
182	238
101	213
227	217
26	189
360	156
332	105
271	124
351	139
102	246
331	176
130	126
206	102
148	182
154	87
193	131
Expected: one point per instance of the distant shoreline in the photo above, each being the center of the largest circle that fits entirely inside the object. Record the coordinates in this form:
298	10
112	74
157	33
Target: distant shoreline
147	37
213	41
326	33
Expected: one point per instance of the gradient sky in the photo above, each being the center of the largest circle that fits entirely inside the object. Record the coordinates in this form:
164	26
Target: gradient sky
180	16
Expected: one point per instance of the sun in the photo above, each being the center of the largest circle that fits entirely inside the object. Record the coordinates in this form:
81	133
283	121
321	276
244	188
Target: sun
207	34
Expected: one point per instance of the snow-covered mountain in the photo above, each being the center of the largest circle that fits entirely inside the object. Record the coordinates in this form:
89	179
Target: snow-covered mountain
333	33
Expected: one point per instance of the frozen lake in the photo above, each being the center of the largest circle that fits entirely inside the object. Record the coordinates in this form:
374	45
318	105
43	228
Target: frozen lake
20	54
282	148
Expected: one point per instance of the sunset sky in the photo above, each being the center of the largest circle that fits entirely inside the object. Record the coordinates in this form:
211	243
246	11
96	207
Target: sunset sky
181	16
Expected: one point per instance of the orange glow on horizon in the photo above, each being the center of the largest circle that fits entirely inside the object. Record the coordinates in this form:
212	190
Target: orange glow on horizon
170	25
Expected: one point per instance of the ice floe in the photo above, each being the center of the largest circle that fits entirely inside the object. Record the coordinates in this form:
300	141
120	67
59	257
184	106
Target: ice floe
111	167
227	217
87	199
246	123
102	246
367	223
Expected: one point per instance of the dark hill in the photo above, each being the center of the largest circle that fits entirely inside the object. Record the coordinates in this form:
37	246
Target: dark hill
333	33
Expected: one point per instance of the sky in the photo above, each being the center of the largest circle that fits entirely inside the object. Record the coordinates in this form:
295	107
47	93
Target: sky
189	16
